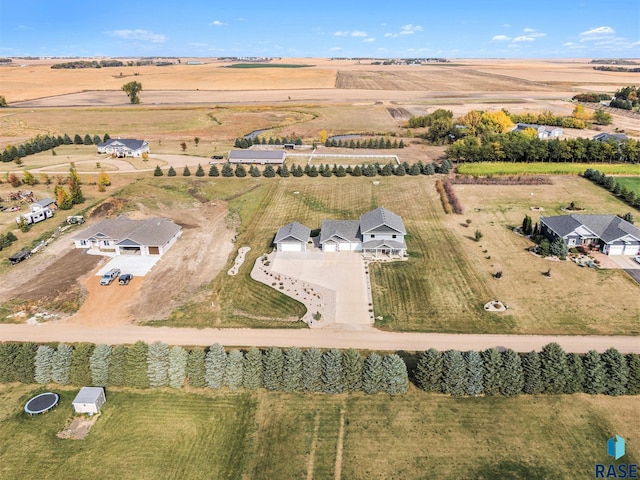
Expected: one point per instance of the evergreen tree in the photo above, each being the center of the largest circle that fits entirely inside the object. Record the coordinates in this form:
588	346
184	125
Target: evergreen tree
292	370
594	373
357	171
492	365
233	370
195	368
23	363
272	368
215	364
42	364
429	169
400	171
87	140
254	171
512	374
80	371
352	365
171	172
178	357
77	139
475	372
575	379
269	172
428	372
75	190
227	171
326	172
332	376
284	171
158	365
616	372
99	364
454	376
312	370
8	352
373	374
186	172
296	171
97	139
252	369
394	374
312	172
213	171
61	364
158	171
633	383
67	140
136	365
240	171
200	171
118	366
553	368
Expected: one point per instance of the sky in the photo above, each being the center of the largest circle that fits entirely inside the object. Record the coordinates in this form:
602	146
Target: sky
378	29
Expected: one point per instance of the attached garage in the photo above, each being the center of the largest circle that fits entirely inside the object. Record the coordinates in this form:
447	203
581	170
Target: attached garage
291	247
329	247
615	249
293	237
631	250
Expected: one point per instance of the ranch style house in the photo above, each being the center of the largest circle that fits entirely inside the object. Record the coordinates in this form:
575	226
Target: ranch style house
124	236
609	233
378	231
124	147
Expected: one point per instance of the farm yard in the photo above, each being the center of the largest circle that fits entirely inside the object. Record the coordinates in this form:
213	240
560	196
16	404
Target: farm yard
205	434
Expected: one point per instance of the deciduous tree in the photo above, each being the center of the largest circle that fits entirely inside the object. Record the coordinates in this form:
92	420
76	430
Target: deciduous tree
132	89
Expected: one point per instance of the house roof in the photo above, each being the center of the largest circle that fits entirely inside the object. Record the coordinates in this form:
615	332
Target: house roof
604	137
608	228
293	231
130	143
88	395
152	231
373	244
340	231
45	202
381	217
257	154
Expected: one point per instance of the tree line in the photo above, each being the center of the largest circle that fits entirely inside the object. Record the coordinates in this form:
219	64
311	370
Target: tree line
88	64
610	183
489	372
246	142
42	143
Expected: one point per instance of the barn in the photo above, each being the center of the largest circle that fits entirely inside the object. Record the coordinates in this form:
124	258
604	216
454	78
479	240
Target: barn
89	400
260	157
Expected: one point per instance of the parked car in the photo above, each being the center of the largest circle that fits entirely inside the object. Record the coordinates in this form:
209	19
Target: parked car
637	258
110	276
19	257
125	278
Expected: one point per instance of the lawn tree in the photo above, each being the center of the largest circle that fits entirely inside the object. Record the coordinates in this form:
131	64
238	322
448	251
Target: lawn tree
312	370
80	371
272	368
99	365
117	366
594	373
428	372
372	374
132	89
616	372
474	384
233	370
559	248
252	369
633	383
186	172
492	368
8	353
63	199
42	364
200	171
575	380
136	365
352	365
292	370
332	376
158	364
158	171
454	373
394	374
171	172
195	368
527	225
512	374
178	357
553	368
104	180
213	171
61	364
215	364
196	140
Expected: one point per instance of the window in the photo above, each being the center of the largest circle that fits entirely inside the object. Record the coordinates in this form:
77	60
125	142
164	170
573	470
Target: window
373	236
393	236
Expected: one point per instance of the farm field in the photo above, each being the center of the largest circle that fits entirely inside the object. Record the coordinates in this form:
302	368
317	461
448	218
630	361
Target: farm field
205	434
515	168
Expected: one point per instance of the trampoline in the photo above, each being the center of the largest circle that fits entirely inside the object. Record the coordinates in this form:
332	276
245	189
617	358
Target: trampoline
41	403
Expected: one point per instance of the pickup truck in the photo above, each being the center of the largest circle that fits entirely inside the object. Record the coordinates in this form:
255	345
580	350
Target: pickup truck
110	276
125	278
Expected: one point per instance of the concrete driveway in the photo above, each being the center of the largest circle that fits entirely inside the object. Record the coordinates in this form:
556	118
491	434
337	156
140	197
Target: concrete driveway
136	265
341	272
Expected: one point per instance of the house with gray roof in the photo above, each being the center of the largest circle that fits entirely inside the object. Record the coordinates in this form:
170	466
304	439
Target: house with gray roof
123	147
340	235
293	237
261	157
605	137
124	236
609	233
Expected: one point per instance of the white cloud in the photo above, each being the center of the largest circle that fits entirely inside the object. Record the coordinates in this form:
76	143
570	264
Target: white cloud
195	44
144	35
598	32
524	38
217	23
335	49
341	34
358	33
506	25
500	38
369	40
354	33
528	30
390	35
410	29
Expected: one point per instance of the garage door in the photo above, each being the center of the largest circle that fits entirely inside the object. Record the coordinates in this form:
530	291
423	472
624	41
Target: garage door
291	247
344	247
631	249
331	247
616	249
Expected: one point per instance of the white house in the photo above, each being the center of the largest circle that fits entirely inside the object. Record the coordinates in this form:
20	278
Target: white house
124	236
124	147
543	131
89	400
293	237
38	211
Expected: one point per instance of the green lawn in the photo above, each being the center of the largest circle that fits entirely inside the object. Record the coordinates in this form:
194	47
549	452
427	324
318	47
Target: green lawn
510	168
221	435
631	183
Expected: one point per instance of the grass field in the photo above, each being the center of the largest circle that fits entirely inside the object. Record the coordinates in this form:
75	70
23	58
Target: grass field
631	183
222	435
509	168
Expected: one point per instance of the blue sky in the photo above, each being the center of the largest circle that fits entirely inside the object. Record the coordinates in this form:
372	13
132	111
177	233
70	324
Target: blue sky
383	29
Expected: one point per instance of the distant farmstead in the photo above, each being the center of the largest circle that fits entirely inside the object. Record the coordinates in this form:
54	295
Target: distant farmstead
124	236
543	132
124	147
261	157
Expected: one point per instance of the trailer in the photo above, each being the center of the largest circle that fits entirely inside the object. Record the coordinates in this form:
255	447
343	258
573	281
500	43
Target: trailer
35	216
19	257
75	219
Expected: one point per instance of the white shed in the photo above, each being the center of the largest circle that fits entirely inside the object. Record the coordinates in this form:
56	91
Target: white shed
89	400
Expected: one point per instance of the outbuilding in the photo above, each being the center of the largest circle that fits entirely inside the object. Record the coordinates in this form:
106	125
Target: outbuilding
293	237
261	157
89	400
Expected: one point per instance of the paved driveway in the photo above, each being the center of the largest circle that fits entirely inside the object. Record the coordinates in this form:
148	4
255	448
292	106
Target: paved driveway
137	265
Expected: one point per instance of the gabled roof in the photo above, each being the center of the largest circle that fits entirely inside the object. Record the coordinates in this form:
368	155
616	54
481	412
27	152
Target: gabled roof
130	143
340	231
381	217
257	154
45	202
376	244
608	228
604	137
293	231
153	231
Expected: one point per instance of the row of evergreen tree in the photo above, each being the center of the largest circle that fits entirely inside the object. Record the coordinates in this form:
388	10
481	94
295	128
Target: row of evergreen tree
371	170
42	143
246	142
489	372
372	143
613	186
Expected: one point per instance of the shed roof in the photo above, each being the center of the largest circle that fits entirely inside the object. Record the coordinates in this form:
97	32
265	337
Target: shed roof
293	230
154	231
381	217
88	395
